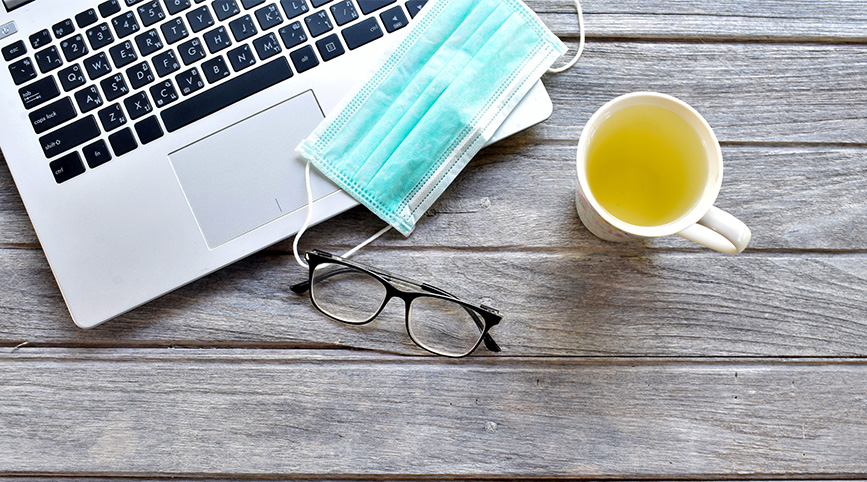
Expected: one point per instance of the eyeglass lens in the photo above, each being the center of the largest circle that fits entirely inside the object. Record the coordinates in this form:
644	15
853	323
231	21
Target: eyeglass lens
354	296
347	294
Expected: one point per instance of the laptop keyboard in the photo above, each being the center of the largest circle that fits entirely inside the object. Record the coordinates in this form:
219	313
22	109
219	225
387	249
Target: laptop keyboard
123	74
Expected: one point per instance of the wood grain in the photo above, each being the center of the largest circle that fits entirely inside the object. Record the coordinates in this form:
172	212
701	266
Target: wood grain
554	303
750	20
161	412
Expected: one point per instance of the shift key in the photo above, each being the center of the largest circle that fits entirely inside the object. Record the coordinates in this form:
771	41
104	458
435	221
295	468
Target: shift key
69	137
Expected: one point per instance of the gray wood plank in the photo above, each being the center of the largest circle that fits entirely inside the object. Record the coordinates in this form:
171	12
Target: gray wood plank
750	20
554	302
176	412
523	195
748	93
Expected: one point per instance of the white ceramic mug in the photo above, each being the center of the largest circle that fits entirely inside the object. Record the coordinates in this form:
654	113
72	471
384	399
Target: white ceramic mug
704	223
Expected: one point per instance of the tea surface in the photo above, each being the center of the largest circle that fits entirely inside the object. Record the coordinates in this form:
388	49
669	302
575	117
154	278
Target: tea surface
646	165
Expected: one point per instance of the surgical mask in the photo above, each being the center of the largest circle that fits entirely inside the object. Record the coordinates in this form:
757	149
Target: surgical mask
397	142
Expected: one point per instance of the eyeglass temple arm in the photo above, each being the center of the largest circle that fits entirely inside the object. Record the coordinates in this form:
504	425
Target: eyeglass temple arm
490	344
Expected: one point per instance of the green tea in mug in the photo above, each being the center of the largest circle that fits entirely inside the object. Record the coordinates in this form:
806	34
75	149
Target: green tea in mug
646	165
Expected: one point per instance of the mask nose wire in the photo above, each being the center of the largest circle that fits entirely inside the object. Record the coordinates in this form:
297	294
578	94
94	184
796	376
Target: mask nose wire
309	218
574	60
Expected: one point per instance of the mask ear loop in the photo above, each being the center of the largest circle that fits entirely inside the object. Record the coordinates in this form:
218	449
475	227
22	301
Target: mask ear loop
574	60
309	218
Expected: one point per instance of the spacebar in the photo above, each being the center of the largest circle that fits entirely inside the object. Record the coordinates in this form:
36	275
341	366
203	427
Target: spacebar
224	95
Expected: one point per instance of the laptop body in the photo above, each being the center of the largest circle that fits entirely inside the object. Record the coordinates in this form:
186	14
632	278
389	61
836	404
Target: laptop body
153	145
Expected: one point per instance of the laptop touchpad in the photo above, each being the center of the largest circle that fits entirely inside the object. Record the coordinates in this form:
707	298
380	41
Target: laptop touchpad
248	174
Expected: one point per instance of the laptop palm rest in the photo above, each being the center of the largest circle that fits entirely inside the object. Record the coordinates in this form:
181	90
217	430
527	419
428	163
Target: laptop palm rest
248	175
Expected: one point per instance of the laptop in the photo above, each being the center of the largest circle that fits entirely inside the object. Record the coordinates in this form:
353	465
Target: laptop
152	141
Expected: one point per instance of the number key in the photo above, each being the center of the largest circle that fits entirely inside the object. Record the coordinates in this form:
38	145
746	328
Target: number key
48	59
151	13
74	48
125	25
99	36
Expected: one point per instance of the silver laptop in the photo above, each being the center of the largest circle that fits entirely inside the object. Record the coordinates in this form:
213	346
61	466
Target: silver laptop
152	140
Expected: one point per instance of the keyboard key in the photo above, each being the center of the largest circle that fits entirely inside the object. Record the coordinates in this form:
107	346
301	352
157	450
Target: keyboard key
174	30
99	36
149	42
96	154
40	39
319	3
393	19
243	28
109	8
148	130
241	58
344	12
294	8
415	6
140	75
175	6
189	81
226	94
166	63
38	92
191	51
269	16
368	6
225	8
267	46
330	47
200	19
123	54
97	66
217	39
69	137
48	117
112	117
125	25
48	59
361	33
71	77
22	71
248	4
66	167
122	142
137	105
318	23
74	48
114	87
293	35
304	59
164	93
64	28
215	69
15	50
151	13
88	99
85	18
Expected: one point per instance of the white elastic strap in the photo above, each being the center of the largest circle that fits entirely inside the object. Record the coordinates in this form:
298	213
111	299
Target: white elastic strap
306	225
574	60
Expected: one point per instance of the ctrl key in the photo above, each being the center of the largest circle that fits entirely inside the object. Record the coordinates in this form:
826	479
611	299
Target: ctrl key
67	167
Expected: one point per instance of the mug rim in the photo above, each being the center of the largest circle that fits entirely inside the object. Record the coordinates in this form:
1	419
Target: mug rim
715	160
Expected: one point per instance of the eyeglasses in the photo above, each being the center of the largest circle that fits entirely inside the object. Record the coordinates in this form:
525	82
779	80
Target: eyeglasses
436	320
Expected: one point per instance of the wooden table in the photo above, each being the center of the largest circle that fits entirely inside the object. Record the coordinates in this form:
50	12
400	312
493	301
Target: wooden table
652	361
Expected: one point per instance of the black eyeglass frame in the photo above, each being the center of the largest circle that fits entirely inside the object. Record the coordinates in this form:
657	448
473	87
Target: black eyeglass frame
485	317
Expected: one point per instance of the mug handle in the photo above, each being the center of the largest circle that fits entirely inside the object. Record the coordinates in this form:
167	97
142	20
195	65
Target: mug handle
720	231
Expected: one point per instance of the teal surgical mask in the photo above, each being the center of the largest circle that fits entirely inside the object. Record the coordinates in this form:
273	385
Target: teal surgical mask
402	138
